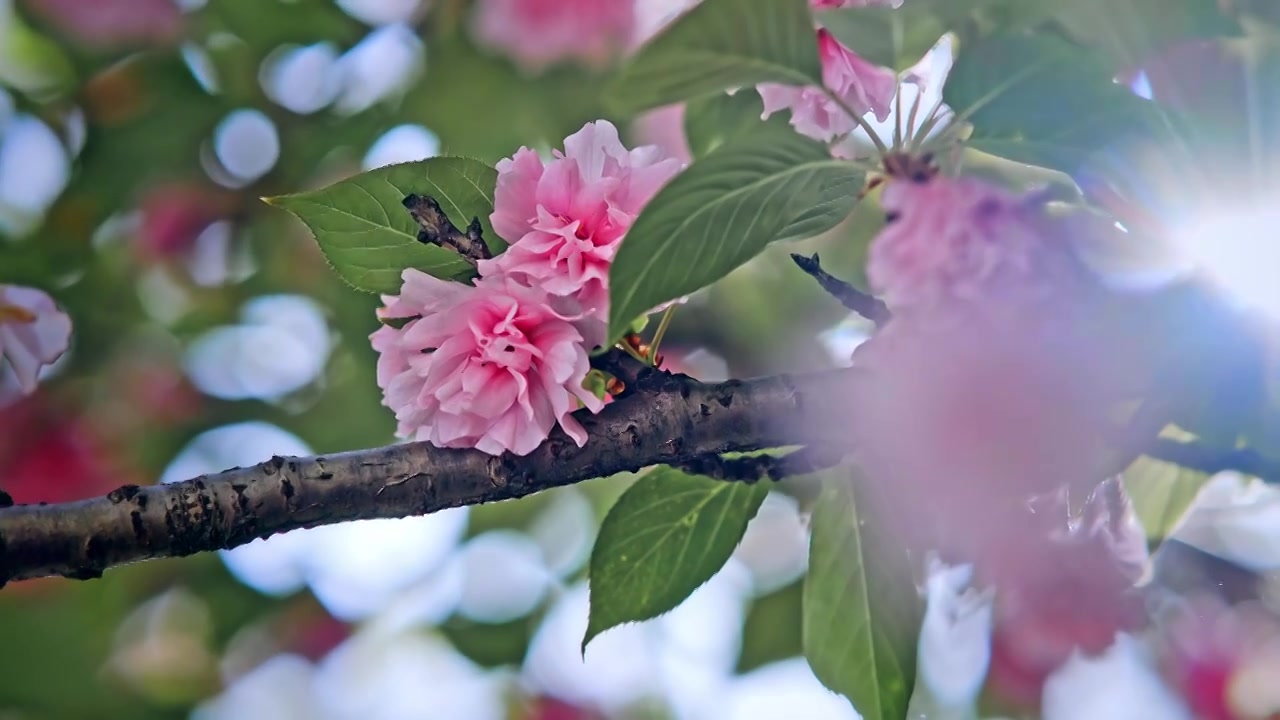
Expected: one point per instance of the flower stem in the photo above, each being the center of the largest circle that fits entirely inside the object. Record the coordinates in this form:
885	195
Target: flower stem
626	346
661	332
897	115
930	121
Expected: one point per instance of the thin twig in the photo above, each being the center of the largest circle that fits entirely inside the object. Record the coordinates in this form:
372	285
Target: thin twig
881	148
661	332
868	306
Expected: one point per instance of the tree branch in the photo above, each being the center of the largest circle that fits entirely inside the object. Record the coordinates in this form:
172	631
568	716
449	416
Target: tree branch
868	306
661	419
1214	460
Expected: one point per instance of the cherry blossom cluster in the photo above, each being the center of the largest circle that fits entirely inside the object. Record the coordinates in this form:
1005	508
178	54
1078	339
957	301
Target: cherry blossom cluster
33	334
497	364
861	85
987	330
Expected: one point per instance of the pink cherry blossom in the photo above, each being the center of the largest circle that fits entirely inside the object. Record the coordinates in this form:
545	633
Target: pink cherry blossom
539	33
566	218
491	366
33	333
863	86
961	240
173	216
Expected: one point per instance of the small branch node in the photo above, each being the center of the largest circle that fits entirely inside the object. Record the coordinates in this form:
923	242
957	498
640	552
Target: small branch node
435	228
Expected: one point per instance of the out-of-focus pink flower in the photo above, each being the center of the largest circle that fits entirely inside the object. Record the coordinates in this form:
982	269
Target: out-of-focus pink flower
664	127
1224	659
864	86
307	629
1061	588
48	454
491	366
952	240
566	218
539	33
173	216
109	23
979	416
976	397
33	333
549	708
147	391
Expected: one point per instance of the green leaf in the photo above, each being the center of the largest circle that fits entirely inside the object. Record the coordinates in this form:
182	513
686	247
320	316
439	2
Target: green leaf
723	211
1020	177
894	37
862	612
1130	32
771	630
721	45
1042	100
1161	493
665	537
712	121
368	236
1006	14
31	62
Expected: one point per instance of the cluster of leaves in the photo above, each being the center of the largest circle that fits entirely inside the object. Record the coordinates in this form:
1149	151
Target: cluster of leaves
1034	83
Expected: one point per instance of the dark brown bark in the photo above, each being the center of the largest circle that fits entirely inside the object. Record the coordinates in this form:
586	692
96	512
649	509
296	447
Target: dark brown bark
662	419
435	228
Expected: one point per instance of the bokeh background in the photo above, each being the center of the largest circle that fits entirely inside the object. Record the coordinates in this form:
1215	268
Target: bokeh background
136	138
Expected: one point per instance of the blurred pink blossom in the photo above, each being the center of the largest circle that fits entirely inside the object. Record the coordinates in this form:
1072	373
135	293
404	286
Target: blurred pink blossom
980	396
111	23
539	33
33	333
566	218
664	127
51	453
1062	587
1224	659
961	240
491	366
173	216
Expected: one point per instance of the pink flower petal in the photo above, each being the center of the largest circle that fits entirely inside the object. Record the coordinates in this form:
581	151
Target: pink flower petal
538	33
33	333
500	382
566	218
